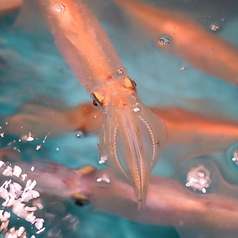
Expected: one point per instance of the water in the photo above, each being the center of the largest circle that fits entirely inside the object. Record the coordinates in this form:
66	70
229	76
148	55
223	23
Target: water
31	70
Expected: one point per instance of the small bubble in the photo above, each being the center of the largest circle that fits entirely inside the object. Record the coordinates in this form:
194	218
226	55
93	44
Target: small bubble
38	147
215	27
58	7
182	68
235	157
79	134
164	41
103	179
120	71
2	134
57	148
44	140
6	123
95	117
103	159
136	108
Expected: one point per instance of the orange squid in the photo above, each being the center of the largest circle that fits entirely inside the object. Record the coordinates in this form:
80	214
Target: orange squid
131	136
188	39
168	203
190	133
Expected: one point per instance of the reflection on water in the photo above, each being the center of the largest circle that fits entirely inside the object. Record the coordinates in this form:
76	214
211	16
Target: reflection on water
183	59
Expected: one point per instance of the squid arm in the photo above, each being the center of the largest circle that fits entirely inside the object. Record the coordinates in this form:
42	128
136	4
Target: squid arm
188	40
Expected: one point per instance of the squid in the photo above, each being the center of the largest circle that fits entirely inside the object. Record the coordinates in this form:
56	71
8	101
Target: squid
131	136
7	6
168	203
190	133
187	39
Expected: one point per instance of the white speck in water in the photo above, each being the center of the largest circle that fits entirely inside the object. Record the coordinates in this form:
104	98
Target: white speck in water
28	137
120	71
198	178
38	147
20	232
39	223
182	68
163	41
58	7
32	168
44	140
41	230
214	27
15	148
103	159
103	179
94	117
23	177
235	157
7	171
6	123
79	134
17	171
2	134
1	163
57	148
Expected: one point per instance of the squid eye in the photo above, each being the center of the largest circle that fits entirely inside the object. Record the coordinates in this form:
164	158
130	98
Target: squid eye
97	99
128	83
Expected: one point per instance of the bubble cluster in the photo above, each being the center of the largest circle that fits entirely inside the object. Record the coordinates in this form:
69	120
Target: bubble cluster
120	71
163	41
102	159
136	108
58	7
103	179
214	27
19	198
199	178
28	137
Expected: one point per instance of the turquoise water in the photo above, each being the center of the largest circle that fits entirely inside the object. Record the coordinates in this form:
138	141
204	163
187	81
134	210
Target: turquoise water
32	70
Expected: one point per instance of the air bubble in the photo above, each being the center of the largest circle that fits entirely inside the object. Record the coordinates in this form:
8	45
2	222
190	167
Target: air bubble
103	179
2	134
79	134
215	27
163	41
120	71
57	148
235	157
136	108
182	68
38	147
103	159
28	137
58	7
199	178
